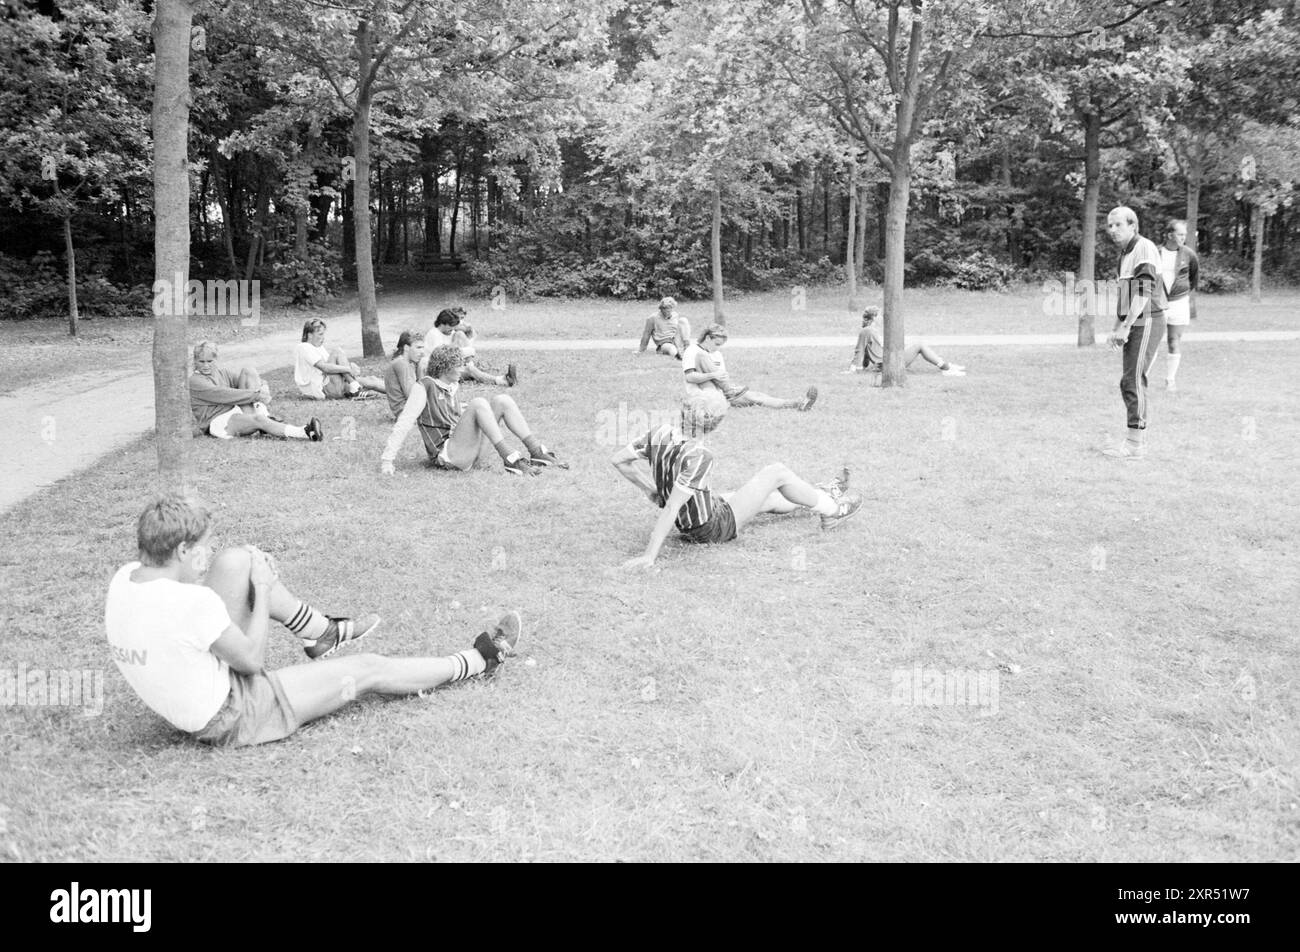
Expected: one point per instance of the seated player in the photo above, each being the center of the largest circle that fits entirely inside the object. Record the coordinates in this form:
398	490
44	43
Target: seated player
706	370
227	405
672	467
453	432
669	331
403	373
869	355
453	330
324	374
188	632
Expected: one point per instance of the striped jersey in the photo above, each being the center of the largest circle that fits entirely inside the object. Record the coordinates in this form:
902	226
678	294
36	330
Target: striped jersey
1139	274
676	460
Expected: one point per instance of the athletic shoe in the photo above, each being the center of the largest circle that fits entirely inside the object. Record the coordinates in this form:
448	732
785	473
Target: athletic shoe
953	371
547	458
314	431
838	484
521	467
1171	386
809	399
848	508
1126	450
352	390
340	632
512	375
499	644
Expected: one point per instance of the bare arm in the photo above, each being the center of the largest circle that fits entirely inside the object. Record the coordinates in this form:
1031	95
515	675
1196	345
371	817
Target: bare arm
663	525
415	404
636	470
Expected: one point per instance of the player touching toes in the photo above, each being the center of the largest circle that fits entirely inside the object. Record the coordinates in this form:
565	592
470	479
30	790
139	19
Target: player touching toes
673	468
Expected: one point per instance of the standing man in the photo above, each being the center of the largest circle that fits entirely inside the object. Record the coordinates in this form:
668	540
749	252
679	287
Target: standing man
1138	324
1180	271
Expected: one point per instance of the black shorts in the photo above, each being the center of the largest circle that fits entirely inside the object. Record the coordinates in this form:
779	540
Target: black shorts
721	526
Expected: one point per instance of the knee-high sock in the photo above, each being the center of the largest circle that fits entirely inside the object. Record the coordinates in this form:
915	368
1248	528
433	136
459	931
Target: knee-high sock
307	623
1171	365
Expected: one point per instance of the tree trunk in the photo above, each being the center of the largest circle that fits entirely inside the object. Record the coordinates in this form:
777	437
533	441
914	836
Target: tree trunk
455	204
406	237
861	251
900	183
71	252
716	254
258	236
429	193
171	201
372	343
346	202
1257	270
1013	233
1195	176
1088	240
851	238
799	222
220	182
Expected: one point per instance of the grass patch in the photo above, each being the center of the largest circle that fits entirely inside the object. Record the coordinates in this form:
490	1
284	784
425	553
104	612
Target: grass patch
1147	610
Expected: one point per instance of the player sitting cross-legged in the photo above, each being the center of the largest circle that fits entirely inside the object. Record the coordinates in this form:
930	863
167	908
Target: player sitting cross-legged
188	632
672	467
454	433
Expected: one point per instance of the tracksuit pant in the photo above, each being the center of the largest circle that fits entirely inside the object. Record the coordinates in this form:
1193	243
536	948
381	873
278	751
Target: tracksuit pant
1139	351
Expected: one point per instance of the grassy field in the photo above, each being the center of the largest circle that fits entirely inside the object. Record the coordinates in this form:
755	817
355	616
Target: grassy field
1137	621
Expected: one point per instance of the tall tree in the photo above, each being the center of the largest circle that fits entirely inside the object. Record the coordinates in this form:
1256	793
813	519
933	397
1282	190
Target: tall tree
171	178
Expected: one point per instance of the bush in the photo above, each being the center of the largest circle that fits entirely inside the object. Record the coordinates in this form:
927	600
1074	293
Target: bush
1223	276
981	271
38	288
310	281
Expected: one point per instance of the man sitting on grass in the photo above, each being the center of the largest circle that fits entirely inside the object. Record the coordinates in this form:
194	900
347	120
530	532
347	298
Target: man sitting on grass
324	374
669	331
453	432
403	372
672	467
189	632
869	355
226	405
706	370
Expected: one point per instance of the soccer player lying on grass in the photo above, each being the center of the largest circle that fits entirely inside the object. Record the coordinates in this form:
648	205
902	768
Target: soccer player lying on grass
452	330
453	432
189	632
869	355
226	405
324	374
403	373
672	467
669	331
706	370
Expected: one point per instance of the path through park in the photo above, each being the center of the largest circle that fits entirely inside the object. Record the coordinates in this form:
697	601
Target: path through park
51	431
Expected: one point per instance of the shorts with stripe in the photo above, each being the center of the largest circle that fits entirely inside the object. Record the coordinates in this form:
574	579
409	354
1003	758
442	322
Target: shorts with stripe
721	526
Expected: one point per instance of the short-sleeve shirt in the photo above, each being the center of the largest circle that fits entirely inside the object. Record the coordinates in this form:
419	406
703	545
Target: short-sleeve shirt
665	329
305	372
674	460
1139	273
399	381
160	634
697	358
440	415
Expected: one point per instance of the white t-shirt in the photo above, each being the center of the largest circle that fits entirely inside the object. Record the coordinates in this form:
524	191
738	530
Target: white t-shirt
160	633
696	357
1168	266
305	372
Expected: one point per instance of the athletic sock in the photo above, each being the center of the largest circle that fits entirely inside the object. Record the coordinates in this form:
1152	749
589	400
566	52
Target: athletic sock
295	432
534	448
1171	365
467	664
503	451
1135	437
827	506
307	623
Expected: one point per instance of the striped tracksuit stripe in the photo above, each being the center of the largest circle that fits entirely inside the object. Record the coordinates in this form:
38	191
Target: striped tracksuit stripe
1139	353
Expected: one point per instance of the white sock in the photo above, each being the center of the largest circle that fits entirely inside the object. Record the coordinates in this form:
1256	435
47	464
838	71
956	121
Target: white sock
468	664
295	432
827	506
1171	365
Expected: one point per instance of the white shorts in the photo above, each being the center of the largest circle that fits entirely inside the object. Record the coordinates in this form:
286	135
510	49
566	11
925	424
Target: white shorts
218	425
1178	313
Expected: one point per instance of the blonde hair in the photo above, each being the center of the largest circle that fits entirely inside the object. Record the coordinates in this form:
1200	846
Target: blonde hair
702	413
168	521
